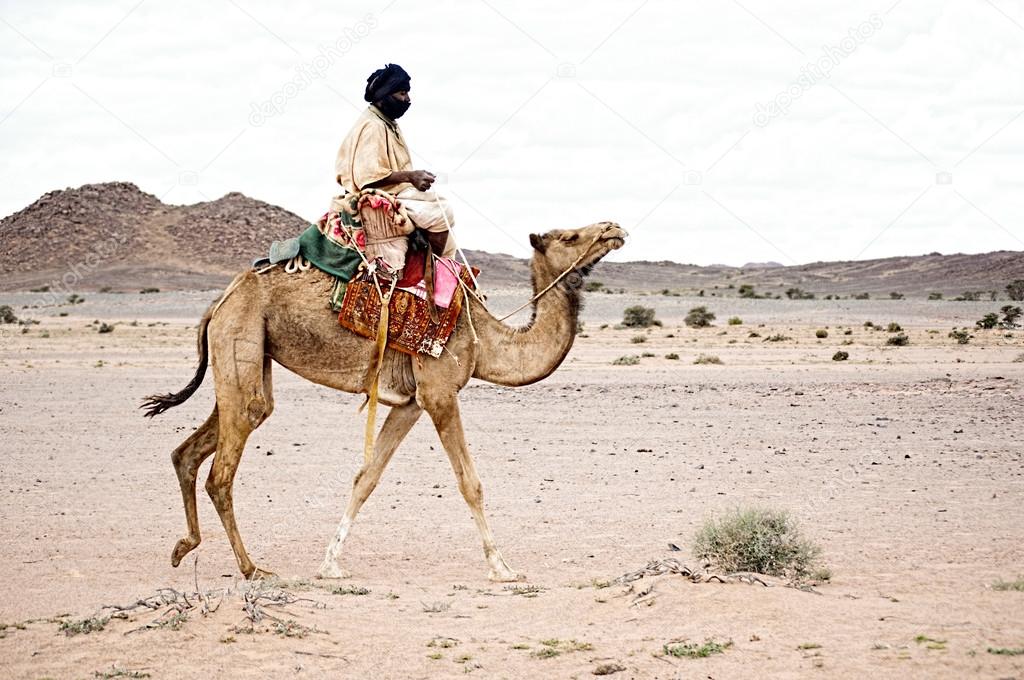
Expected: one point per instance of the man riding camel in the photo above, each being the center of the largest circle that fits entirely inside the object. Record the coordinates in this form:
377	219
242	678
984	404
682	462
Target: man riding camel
374	155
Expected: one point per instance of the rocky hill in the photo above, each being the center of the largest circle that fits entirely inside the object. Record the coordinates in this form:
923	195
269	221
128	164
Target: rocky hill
116	236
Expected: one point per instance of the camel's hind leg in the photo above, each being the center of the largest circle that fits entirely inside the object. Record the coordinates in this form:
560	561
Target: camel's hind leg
396	426
187	458
240	414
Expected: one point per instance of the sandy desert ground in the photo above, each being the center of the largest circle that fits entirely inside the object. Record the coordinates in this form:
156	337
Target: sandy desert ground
903	463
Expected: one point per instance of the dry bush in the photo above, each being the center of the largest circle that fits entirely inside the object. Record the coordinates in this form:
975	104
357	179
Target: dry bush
707	359
760	540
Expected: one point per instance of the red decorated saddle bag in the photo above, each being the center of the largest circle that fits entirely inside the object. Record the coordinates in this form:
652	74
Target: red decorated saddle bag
410	328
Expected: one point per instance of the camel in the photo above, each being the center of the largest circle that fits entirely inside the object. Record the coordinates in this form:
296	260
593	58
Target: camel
280	317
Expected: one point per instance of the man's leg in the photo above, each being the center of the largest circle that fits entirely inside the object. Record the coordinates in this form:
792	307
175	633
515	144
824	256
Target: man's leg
429	212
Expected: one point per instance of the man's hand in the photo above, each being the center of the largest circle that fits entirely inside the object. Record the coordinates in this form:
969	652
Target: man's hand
421	179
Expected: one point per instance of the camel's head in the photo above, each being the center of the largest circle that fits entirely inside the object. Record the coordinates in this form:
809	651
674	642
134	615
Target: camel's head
578	249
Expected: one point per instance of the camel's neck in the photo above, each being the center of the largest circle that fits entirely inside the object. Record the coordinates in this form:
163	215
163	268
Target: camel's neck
520	356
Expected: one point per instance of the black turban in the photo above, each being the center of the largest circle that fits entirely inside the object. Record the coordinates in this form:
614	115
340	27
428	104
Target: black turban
386	81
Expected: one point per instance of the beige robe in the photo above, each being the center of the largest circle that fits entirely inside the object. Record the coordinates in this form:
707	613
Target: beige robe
372	150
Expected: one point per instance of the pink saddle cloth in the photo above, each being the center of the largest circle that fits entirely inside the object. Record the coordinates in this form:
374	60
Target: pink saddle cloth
446	282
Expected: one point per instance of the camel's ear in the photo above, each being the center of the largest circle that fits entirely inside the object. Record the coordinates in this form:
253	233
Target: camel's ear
537	241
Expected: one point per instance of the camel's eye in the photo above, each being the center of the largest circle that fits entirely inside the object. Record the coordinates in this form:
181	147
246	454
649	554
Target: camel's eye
569	238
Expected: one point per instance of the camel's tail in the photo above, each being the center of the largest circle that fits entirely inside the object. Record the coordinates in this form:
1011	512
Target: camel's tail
156	404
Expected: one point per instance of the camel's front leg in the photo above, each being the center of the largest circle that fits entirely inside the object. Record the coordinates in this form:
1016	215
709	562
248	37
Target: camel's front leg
448	422
396	426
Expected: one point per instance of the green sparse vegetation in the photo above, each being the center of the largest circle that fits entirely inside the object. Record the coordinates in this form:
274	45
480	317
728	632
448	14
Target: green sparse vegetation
699	317
628	360
639	316
747	291
147	291
707	359
961	335
1015	290
92	624
778	337
893	327
692	650
898	340
895	296
672	356
1017	584
638	339
799	294
990	320
934	296
760	540
592	286
1006	651
735	321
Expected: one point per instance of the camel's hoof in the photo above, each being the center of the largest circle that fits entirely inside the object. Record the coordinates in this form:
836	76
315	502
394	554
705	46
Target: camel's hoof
182	548
508	576
331	570
261	574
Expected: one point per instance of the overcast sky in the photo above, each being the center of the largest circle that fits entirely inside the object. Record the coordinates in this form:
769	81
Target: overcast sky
724	132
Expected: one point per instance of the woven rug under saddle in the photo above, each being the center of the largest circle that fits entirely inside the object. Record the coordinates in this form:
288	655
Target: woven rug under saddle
411	328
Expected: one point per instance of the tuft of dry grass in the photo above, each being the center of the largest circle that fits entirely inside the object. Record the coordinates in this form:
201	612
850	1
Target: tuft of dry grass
707	359
759	540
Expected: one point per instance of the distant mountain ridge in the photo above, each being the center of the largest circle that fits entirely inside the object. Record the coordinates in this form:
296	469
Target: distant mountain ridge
114	235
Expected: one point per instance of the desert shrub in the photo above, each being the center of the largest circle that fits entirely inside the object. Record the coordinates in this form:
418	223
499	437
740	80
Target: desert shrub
747	291
761	540
7	314
898	340
962	336
707	359
1017	585
969	296
735	321
75	299
778	337
637	339
628	360
1019	359
840	356
646	355
861	296
1010	316
934	296
1015	290
990	320
592	286
579	327
799	294
869	324
691	650
639	316
146	291
699	317
105	328
753	334
821	333
895	296
672	356
893	327
848	331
